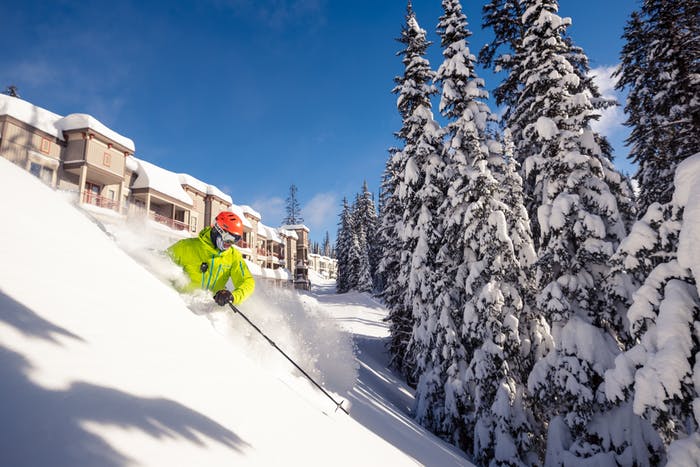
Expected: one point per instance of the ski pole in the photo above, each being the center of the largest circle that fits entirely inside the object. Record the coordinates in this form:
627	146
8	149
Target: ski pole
338	405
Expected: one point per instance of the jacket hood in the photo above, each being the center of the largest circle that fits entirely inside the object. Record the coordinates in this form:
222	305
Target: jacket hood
205	237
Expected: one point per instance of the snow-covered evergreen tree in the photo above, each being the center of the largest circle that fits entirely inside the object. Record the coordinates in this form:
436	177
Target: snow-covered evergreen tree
661	70
326	248
575	194
511	53
402	180
534	329
504	17
362	278
366	219
344	250
660	375
293	208
471	387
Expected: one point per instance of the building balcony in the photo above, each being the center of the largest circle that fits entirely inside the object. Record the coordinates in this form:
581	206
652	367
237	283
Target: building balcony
89	197
172	223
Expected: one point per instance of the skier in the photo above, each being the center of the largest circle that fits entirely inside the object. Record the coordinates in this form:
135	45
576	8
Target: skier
209	260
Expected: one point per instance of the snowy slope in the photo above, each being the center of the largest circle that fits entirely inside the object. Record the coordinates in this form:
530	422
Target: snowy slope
103	363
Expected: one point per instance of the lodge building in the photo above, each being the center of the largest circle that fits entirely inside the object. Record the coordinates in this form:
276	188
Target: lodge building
77	153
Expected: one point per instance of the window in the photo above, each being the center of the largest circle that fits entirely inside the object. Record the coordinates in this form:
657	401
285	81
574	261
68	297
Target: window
193	223
45	146
35	169
45	174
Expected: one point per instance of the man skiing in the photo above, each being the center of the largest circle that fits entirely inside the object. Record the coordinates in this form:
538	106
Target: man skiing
209	260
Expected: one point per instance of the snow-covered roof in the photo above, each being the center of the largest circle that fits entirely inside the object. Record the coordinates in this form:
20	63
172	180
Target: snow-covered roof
295	227
131	164
236	209
210	190
250	211
82	121
288	233
189	180
271	234
262	231
159	179
214	191
55	124
30	114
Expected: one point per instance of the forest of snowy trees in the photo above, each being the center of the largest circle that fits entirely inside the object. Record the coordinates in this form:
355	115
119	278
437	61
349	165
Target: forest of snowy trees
544	312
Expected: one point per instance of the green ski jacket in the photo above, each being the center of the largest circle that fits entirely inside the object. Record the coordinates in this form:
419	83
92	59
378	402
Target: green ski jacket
192	253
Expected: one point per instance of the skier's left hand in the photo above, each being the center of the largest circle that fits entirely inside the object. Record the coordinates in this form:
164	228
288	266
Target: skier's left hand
222	297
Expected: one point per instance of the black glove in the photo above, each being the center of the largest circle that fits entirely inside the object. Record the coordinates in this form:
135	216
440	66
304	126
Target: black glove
222	297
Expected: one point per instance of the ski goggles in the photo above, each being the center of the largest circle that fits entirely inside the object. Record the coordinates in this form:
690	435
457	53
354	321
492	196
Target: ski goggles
227	237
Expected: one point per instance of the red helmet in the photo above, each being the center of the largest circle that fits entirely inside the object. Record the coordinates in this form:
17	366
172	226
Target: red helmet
230	223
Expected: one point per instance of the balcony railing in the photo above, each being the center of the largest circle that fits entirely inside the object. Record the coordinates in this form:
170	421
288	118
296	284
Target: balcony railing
172	223
100	201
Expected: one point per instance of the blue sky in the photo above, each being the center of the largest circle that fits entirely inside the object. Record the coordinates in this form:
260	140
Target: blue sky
253	95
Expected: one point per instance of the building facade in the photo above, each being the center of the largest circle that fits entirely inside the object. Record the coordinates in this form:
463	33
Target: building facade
78	153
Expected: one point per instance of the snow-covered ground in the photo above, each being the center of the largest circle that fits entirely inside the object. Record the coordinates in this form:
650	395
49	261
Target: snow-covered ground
102	363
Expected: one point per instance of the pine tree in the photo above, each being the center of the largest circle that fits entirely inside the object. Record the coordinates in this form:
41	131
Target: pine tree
505	18
660	69
511	52
471	387
362	280
658	376
344	250
576	194
400	181
326	247
366	217
293	208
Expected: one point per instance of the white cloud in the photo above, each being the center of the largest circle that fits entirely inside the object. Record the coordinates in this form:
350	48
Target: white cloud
603	77
320	212
271	209
611	119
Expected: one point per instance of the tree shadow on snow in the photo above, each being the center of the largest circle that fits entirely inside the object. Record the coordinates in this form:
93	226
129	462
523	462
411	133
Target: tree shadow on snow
40	426
29	323
382	402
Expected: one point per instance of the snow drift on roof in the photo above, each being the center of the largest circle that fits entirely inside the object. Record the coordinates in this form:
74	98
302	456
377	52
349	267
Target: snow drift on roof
210	190
195	183
81	121
272	234
131	164
295	227
214	191
288	233
30	114
250	211
156	178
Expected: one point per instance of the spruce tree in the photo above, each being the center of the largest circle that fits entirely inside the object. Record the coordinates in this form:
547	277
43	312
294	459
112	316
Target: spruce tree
471	387
326	247
658	376
366	218
344	250
511	51
401	180
576	195
293	208
362	280
661	71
